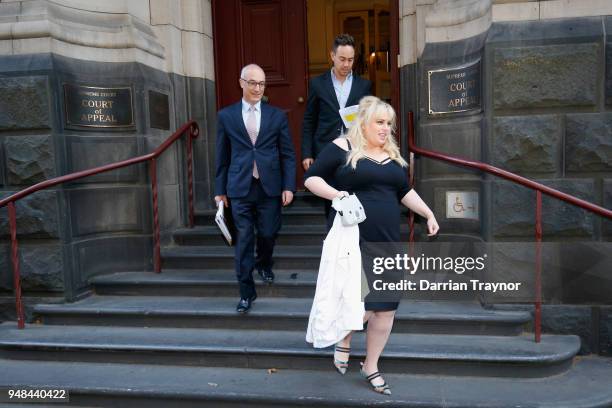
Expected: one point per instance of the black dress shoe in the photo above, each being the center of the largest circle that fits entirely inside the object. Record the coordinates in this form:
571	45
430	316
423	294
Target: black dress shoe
267	276
245	304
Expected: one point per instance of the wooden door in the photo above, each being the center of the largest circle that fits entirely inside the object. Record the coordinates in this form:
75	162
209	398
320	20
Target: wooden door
271	34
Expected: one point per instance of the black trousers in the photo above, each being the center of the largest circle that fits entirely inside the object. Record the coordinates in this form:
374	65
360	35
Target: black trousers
255	211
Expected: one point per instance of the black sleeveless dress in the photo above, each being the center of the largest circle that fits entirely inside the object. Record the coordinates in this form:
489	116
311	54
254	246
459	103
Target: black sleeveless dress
379	186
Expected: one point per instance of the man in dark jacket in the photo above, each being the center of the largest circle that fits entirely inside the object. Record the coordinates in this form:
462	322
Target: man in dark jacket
327	93
255	169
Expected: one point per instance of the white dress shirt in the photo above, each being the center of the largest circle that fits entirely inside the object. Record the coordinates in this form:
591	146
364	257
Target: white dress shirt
245	113
342	89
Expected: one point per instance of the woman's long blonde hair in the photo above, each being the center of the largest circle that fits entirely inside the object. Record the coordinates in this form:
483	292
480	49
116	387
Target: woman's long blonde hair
370	108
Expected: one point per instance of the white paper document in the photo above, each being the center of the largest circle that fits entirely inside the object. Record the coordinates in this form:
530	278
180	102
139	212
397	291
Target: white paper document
220	220
348	115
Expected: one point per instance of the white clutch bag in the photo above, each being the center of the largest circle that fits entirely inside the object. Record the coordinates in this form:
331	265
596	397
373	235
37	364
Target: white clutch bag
350	210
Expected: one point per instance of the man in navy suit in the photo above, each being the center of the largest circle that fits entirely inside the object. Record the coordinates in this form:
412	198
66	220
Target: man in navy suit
327	93
255	170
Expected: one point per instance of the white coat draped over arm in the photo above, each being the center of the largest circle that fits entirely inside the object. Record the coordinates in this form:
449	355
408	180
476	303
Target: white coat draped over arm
337	308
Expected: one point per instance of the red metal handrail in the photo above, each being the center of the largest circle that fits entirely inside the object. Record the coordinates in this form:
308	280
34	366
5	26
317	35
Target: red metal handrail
540	188
190	128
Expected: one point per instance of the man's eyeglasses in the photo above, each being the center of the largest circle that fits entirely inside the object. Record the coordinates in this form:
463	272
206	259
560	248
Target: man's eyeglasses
253	84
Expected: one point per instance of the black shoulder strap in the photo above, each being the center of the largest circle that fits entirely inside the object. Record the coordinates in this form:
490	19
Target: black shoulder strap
348	143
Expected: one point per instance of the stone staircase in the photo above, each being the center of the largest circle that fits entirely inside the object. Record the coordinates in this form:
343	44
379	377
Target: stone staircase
174	339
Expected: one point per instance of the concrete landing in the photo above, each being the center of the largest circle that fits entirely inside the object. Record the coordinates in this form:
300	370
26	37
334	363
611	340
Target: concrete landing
587	385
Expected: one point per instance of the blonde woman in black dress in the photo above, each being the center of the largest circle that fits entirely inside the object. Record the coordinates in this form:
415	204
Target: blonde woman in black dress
368	163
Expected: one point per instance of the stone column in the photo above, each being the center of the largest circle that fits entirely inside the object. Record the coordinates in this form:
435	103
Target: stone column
454	35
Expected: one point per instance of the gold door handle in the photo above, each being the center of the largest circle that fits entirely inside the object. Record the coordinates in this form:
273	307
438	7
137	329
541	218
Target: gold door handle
300	100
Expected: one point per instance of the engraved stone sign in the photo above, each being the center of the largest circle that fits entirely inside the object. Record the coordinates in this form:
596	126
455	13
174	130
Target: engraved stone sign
462	204
457	89
95	107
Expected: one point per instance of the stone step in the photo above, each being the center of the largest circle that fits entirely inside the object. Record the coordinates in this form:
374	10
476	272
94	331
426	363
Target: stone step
290	216
586	385
222	257
305	199
270	314
294	283
290	235
288	283
515	356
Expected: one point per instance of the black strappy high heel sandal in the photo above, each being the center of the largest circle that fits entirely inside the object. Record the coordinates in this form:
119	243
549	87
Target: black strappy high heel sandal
381	389
341	366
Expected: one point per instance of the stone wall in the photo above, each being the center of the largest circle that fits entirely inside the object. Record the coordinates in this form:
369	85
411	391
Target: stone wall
28	157
547	98
522	10
548	110
103	223
593	324
547	101
67	233
545	116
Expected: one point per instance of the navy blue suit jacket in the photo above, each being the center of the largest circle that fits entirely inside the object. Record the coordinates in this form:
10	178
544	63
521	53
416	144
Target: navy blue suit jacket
273	152
322	121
